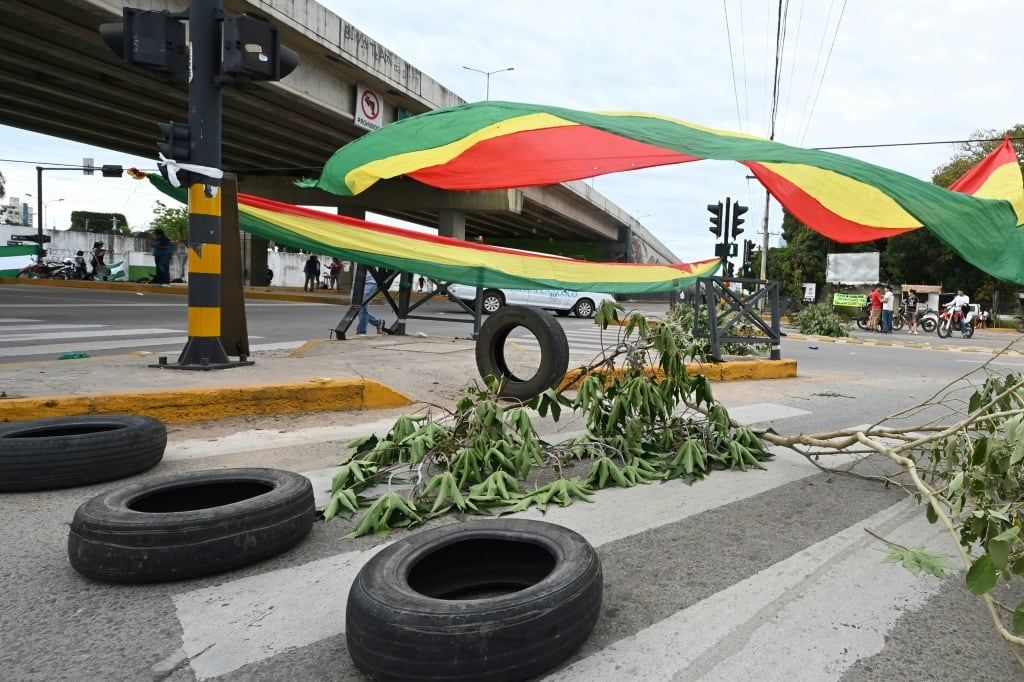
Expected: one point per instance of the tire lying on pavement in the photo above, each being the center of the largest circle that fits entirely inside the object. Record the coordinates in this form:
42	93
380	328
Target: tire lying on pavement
487	601
491	347
189	525
63	452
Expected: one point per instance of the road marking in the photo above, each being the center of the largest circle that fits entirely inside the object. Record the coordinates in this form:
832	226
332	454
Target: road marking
248	620
763	412
87	346
771	621
99	333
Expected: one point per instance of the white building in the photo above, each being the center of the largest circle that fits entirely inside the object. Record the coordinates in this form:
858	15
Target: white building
16	212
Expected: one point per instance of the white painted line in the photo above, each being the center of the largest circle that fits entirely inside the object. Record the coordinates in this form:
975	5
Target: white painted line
106	332
94	345
763	412
773	620
25	327
244	621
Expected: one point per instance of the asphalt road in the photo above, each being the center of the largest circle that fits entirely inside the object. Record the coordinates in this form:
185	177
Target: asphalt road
759	575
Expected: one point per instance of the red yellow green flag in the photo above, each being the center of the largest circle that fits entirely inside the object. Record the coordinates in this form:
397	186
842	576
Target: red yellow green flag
497	145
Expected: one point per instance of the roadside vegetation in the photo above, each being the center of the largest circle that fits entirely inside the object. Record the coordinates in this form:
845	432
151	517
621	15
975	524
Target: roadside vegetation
959	454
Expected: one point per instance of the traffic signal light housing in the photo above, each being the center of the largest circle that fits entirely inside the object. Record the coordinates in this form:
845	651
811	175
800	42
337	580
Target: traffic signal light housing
176	146
253	51
748	249
716	218
151	39
737	220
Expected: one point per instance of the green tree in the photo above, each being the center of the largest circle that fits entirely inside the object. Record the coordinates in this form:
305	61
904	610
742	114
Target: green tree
92	221
173	221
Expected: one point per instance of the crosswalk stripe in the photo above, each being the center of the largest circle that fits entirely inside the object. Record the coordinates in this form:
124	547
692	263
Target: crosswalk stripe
54	349
249	620
87	334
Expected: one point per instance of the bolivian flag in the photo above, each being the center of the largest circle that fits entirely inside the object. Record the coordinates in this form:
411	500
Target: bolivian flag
496	145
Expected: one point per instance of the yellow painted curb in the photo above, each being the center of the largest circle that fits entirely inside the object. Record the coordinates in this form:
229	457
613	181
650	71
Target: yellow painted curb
722	371
215	403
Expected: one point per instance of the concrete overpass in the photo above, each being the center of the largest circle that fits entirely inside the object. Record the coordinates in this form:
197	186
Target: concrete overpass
59	78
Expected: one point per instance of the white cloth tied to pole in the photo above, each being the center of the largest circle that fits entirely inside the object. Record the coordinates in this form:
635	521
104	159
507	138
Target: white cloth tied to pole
174	166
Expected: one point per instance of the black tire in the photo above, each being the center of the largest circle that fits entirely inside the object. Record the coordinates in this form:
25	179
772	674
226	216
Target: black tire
188	525
862	322
897	322
928	324
968	330
1019	326
493	301
945	329
583	308
64	452
487	601
554	349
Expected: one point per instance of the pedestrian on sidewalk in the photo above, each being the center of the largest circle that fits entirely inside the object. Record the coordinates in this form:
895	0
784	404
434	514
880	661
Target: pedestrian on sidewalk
365	316
875	318
888	301
335	281
913	311
162	258
312	270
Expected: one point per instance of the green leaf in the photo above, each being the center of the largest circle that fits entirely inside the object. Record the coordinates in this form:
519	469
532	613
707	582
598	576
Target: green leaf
982	576
956	483
1018	619
929	513
917	559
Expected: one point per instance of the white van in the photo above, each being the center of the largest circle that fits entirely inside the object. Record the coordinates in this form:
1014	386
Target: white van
563	302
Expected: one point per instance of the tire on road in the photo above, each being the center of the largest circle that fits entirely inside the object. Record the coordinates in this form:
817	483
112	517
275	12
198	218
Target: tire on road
487	601
928	324
584	308
64	452
493	301
554	349
188	525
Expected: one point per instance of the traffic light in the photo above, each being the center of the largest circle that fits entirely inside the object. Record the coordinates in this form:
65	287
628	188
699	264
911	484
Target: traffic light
716	218
748	248
151	39
253	51
177	147
737	211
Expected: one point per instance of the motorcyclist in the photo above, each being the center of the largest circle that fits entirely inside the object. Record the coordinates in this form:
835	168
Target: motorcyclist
961	306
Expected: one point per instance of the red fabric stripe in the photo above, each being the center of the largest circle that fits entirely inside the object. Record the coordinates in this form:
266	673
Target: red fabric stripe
545	157
811	213
973	179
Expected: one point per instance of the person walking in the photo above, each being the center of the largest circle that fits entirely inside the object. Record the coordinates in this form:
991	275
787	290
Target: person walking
888	301
335	272
99	268
874	319
913	311
367	318
81	272
312	270
162	258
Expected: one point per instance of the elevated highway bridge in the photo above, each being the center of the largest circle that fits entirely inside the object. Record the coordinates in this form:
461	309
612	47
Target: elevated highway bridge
59	78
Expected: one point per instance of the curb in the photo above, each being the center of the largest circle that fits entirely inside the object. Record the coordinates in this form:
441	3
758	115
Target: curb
216	403
743	370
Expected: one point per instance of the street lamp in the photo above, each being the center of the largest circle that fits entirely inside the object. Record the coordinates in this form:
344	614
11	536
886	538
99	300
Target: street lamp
46	207
488	75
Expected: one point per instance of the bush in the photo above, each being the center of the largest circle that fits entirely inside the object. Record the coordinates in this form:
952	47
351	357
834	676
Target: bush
820	320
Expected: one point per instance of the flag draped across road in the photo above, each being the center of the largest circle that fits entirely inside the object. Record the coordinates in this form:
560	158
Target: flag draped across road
445	259
496	145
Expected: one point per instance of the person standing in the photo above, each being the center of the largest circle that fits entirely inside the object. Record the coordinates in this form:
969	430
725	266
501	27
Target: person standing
162	258
312	270
81	272
335	271
99	268
876	309
888	301
961	305
913	311
365	316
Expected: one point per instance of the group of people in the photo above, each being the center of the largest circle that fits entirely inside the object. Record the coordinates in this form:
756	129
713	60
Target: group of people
97	268
312	272
883	303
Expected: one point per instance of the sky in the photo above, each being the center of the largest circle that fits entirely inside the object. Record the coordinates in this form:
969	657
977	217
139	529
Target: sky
861	72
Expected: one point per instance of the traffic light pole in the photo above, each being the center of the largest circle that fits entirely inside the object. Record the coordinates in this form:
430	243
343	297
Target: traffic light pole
204	350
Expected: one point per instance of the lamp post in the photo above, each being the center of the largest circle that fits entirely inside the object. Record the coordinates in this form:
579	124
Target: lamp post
46	207
488	75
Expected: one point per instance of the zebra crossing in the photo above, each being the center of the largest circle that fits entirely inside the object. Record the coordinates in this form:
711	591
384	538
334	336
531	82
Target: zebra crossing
29	337
589	340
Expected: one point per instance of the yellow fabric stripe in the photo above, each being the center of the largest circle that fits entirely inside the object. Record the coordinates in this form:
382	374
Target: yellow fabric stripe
204	322
358	179
684	124
343	236
206	261
846	197
198	202
1005	183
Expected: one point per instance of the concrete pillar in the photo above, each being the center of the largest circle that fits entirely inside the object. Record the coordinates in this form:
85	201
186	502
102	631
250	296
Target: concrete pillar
451	223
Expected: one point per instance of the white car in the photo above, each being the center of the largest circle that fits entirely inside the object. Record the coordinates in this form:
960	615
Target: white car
563	302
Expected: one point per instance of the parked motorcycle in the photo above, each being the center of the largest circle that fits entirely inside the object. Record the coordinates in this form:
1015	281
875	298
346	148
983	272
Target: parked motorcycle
899	317
928	320
47	270
950	319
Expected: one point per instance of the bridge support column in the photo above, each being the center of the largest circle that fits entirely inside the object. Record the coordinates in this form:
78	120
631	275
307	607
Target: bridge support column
451	223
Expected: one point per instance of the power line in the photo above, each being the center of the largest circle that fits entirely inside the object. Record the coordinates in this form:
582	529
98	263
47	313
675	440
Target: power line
828	58
732	64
